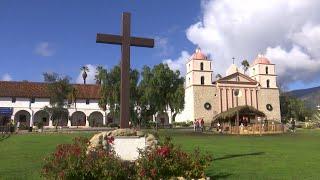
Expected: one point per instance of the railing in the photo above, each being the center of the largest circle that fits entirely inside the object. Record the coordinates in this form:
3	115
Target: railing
256	129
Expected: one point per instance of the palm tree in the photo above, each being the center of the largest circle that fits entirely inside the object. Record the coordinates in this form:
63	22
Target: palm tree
84	70
100	73
218	76
245	65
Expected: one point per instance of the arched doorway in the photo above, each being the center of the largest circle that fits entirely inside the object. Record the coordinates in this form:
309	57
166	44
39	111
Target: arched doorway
23	117
41	116
96	119
163	118
60	118
78	118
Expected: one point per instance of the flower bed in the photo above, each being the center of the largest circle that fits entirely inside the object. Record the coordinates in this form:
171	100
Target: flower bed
163	161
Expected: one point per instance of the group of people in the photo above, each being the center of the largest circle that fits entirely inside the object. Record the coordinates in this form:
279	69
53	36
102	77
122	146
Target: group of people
198	125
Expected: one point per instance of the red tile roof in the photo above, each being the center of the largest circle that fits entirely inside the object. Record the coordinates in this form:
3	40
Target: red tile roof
39	90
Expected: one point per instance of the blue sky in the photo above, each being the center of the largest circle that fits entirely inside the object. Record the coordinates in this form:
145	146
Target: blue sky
39	36
66	31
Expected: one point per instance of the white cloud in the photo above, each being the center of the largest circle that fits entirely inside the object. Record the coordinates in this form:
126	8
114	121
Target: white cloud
179	63
6	77
90	78
288	31
163	46
44	49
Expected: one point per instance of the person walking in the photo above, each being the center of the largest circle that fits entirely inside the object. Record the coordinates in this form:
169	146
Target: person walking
202	124
194	125
293	125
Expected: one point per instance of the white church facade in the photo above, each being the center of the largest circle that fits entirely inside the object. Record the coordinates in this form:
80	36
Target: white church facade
24	102
205	98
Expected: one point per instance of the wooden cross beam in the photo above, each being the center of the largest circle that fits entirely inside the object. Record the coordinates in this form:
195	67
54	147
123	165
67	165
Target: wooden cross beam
125	40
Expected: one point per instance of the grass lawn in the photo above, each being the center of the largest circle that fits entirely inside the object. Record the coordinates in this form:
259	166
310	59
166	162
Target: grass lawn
288	156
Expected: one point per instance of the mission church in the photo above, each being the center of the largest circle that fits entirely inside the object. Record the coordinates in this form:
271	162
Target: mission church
205	98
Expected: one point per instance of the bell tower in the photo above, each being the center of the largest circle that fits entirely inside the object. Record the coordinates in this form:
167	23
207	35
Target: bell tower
268	94
199	70
199	90
264	72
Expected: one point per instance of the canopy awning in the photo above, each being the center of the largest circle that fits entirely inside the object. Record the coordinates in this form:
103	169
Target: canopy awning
231	113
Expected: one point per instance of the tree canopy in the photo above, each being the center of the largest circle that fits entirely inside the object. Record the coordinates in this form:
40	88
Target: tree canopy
154	89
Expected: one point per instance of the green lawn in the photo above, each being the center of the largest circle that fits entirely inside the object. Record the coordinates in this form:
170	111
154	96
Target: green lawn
288	156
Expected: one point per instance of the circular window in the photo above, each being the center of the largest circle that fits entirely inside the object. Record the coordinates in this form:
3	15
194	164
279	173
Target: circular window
269	107
207	106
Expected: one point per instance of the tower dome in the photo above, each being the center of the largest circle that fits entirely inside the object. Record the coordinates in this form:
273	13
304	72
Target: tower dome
261	59
198	55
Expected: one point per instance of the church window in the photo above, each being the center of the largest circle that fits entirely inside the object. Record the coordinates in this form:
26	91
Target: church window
202	80
268	83
267	70
201	66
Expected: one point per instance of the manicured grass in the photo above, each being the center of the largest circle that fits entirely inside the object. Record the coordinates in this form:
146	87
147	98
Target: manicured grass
287	156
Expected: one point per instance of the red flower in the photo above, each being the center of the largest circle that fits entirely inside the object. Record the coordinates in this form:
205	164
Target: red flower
142	173
153	172
163	151
110	140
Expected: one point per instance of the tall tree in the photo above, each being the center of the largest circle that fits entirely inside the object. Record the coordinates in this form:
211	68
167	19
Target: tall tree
59	89
84	70
245	65
162	89
100	74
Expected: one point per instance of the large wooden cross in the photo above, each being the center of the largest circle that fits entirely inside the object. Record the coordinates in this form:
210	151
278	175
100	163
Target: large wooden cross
125	40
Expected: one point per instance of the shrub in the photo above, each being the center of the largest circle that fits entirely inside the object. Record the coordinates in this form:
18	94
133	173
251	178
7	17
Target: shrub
169	161
182	124
40	125
72	161
75	161
113	125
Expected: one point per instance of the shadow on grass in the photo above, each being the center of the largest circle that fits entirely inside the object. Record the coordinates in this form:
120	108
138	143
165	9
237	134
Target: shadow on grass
4	137
230	156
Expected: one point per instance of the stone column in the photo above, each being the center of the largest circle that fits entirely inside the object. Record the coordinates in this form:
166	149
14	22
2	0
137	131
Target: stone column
50	122
69	122
87	121
31	120
104	120
170	116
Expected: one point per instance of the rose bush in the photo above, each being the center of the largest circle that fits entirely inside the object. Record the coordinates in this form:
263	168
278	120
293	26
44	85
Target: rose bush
72	161
75	161
167	161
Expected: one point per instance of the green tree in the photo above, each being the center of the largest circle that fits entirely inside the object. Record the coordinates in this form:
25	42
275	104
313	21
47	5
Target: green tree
245	65
59	89
292	107
100	74
162	88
